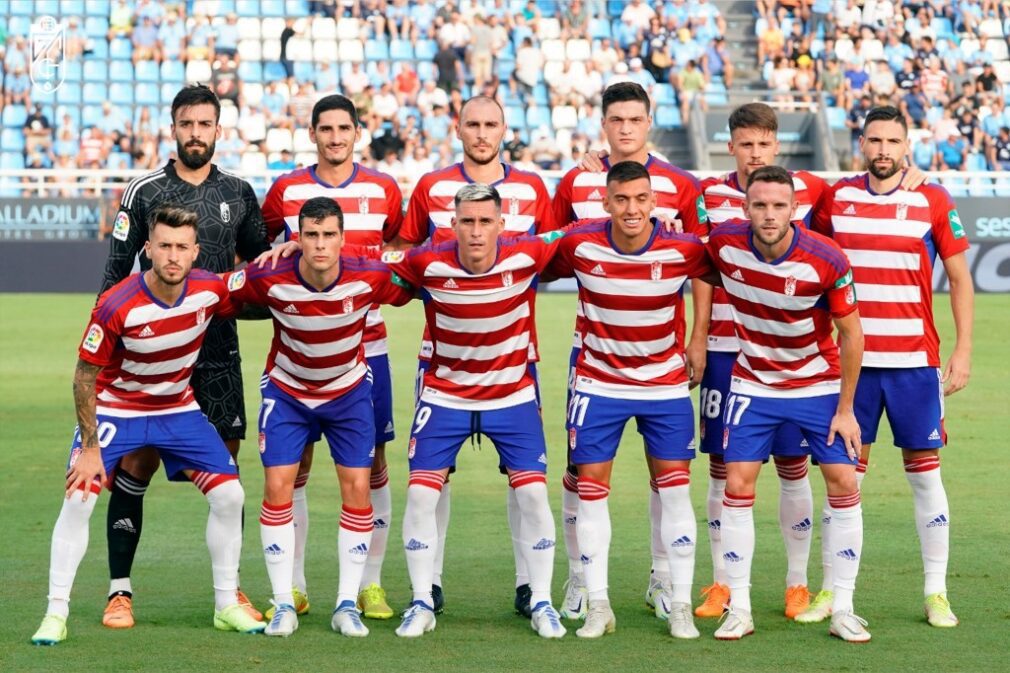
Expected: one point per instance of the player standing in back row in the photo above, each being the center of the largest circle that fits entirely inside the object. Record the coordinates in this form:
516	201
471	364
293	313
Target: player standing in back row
230	223
892	236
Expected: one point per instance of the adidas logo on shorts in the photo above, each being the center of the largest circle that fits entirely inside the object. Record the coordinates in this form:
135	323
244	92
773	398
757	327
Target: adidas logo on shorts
934	436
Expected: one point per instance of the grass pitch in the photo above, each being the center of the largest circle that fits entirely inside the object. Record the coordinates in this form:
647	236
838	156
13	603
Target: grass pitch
174	603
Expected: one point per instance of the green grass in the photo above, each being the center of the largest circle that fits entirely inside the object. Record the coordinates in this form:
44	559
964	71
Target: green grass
38	344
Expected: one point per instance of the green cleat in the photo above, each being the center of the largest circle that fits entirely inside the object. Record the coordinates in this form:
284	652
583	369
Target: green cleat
372	603
236	618
819	610
53	630
938	612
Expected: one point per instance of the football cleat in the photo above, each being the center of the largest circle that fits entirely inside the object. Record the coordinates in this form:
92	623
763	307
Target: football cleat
546	621
52	630
716	599
663	600
575	603
236	618
600	619
653	591
736	624
797	600
849	627
347	621
819	610
682	621
437	599
301	604
372	603
119	612
522	601
938	612
284	621
247	605
417	620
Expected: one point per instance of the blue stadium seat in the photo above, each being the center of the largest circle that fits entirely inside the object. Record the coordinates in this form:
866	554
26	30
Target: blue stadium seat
519	33
96	71
943	27
121	49
148	94
147	71
119	160
22	8
515	116
13	140
273	8
72	8
836	117
168	92
69	93
248	8
73	71
47	7
615	7
14	116
714	96
65	148
173	71
73	110
121	94
599	29
250	71
425	50
95	93
96	26
14	161
507	51
121	71
668	117
98	7
1003	187
426	70
99	50
547	7
976	162
504	68
376	50
91	115
540	95
296	7
663	94
400	50
273	70
305	71
538	116
19	25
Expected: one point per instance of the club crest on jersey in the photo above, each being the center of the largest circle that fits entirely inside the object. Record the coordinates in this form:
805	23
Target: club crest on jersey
363	205
790	286
850	295
506	278
901	213
348	304
412	447
201	315
93	339
657	270
121	228
513	206
225	212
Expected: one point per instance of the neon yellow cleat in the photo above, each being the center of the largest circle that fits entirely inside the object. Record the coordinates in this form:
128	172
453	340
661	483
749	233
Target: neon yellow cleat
236	618
372	603
938	612
716	600
797	600
819	610
53	630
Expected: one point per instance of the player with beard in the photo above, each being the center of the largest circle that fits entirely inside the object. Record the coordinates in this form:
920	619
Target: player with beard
231	225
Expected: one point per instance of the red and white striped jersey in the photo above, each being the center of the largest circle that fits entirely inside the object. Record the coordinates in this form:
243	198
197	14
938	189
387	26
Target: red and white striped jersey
892	241
783	311
724	199
146	349
525	204
373	212
579	196
633	303
481	324
317	353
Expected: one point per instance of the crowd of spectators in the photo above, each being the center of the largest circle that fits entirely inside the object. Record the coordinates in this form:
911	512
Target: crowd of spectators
944	63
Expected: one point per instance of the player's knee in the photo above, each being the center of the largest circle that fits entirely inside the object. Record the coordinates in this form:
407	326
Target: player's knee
740	484
141	464
227	496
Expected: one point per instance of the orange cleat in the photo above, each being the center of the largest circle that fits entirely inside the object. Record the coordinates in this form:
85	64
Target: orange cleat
716	600
797	600
119	612
247	605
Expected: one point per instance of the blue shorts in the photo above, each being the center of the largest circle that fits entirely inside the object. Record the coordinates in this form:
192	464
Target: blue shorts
595	425
913	400
752	422
422	368
382	397
286	426
438	433
788	443
185	441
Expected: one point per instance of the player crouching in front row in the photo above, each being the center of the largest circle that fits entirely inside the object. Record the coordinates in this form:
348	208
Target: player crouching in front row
131	390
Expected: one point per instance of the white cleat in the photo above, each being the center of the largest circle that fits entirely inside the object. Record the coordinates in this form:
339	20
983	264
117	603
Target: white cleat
682	621
849	627
417	620
576	601
284	621
546	621
736	624
600	619
347	621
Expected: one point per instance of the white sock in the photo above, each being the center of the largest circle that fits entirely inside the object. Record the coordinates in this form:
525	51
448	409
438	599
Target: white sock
660	559
828	581
277	531
846	547
536	534
420	532
713	509
680	530
796	505
382	506
120	584
300	512
593	529
442	525
224	533
738	546
70	542
932	519
353	540
570	516
515	523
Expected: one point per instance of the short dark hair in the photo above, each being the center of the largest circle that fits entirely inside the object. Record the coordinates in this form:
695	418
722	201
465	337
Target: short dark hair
623	92
754	116
196	94
626	171
476	192
885	113
775	174
334	102
319	208
172	216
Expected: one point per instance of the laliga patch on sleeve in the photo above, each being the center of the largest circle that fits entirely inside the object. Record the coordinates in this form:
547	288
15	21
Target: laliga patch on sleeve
702	212
397	280
844	280
121	229
236	281
393	256
93	339
956	227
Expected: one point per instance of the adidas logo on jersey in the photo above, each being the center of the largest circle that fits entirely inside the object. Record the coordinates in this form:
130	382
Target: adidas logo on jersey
595	196
146	332
124	525
543	544
682	541
732	557
380	523
848	555
935	435
726	204
360	550
415	545
450	284
598	271
802	526
938	522
736	275
851	210
273	550
291	309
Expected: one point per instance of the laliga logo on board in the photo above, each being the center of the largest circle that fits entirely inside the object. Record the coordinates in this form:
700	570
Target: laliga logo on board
47	44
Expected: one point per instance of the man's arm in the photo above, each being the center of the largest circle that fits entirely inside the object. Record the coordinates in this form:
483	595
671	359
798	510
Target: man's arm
88	464
962	305
850	344
697	345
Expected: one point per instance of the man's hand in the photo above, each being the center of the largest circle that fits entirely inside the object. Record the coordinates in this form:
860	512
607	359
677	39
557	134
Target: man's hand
845	425
593	161
84	470
697	355
672	224
274	255
913	178
957	372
